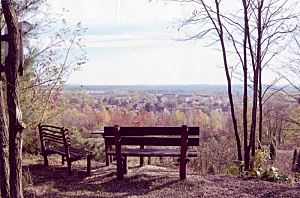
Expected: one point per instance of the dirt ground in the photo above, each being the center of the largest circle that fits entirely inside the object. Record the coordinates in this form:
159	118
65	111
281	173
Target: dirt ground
147	181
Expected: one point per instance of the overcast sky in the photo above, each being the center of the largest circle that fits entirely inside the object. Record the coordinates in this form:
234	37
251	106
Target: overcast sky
134	42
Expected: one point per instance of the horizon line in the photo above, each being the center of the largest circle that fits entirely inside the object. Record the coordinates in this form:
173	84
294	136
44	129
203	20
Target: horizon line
147	84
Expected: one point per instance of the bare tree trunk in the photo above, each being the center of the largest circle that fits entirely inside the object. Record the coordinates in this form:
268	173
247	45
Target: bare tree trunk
251	146
260	104
4	165
245	96
228	77
15	117
259	68
256	72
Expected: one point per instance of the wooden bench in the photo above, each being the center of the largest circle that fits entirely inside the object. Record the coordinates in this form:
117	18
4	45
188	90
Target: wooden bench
56	140
180	137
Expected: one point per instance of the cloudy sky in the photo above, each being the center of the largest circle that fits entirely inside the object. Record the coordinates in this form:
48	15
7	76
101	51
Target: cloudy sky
135	42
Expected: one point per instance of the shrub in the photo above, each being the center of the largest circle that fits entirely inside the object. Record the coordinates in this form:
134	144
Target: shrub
31	142
261	156
269	174
91	144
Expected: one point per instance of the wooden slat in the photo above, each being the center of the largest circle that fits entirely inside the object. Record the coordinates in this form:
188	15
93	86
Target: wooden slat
48	140
48	130
153	152
154	140
140	131
74	152
97	132
51	126
77	151
58	150
52	136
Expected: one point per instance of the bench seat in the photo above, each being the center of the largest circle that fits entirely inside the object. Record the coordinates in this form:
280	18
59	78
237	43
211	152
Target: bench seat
75	153
153	152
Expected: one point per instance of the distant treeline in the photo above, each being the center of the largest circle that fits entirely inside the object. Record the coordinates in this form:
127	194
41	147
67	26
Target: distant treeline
218	89
158	88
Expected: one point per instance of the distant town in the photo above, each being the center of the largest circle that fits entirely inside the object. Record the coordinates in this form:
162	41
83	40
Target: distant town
160	98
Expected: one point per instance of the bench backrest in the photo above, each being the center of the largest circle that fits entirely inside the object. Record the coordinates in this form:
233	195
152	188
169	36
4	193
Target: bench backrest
156	136
54	136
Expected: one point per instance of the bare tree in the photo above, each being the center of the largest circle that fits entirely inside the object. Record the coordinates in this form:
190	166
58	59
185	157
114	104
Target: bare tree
251	37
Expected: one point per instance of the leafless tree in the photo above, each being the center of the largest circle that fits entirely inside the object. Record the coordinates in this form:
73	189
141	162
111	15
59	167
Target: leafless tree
252	35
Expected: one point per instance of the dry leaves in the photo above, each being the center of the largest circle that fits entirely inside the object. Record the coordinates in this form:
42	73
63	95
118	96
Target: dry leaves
147	181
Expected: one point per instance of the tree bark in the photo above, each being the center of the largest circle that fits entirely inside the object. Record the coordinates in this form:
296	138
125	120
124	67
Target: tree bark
4	151
15	117
4	164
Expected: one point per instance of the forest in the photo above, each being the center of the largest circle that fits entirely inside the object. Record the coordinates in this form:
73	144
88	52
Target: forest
252	125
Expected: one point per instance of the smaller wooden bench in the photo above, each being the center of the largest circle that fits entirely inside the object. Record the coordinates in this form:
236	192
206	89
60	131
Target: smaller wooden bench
56	140
180	138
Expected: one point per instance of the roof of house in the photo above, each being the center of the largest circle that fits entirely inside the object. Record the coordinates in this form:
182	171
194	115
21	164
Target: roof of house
159	109
185	95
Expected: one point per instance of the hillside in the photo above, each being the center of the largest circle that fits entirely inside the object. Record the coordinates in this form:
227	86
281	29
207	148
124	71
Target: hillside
148	181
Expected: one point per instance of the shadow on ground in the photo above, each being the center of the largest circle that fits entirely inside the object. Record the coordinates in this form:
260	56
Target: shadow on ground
53	181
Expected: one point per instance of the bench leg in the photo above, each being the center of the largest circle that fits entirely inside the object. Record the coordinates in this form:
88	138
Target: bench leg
62	160
46	160
183	151
107	157
69	168
120	170
88	165
120	173
125	165
183	168
142	162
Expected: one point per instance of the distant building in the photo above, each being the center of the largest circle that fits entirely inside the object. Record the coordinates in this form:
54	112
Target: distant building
138	106
159	109
226	110
185	97
121	97
205	97
99	94
169	98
